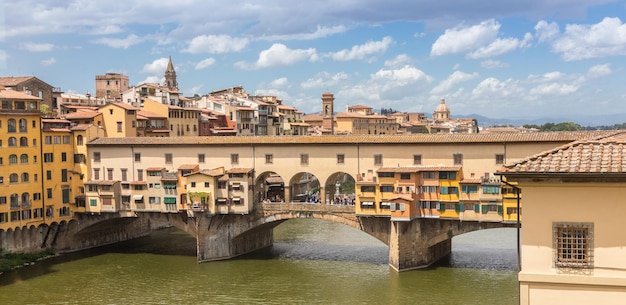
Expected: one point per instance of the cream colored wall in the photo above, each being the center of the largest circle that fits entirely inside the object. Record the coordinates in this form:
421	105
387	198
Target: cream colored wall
599	203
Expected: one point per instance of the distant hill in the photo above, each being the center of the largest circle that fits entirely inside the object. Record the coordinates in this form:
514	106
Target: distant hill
592	120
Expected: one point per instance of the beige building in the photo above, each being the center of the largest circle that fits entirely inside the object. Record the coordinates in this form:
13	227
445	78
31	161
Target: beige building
110	86
572	251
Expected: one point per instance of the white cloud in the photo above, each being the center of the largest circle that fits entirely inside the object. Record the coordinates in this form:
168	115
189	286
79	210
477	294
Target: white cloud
599	71
491	89
120	43
320	32
279	55
107	29
547	77
360	52
37	47
157	66
399	60
48	62
324	80
151	80
216	44
205	63
456	77
463	39
606	38
493	64
545	31
554	89
497	47
195	89
280	82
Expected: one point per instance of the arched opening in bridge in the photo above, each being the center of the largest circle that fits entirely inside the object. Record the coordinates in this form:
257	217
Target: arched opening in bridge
305	187
269	187
484	249
340	189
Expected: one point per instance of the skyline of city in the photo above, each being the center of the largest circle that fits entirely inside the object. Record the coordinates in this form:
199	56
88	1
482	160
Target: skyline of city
496	60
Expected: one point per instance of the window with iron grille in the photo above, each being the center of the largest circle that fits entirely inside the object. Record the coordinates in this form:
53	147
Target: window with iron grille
417	159
378	159
458	159
304	159
573	244
340	158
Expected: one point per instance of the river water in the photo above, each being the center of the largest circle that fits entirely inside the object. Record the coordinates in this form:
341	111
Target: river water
311	262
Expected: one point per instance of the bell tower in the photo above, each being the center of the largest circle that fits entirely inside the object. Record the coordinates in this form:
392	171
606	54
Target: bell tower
170	76
328	116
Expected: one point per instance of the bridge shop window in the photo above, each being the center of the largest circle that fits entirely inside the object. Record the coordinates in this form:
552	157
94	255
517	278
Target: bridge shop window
386	188
367	189
417	159
573	244
458	159
340	158
378	159
304	159
234	158
269	159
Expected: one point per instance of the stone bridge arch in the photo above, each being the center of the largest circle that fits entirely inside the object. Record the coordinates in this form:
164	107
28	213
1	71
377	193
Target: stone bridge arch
304	187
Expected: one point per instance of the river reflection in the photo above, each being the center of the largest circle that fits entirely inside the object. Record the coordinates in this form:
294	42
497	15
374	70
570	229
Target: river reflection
311	262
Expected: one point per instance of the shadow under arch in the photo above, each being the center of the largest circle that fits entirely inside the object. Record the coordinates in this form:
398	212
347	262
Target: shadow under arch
340	189
270	187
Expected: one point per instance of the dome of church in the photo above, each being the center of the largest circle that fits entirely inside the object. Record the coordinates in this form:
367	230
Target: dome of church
442	107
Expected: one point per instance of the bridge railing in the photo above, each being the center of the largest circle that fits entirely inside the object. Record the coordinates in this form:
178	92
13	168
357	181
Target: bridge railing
304	207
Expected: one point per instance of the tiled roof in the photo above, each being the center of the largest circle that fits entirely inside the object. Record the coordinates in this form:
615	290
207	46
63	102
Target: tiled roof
152	115
471	180
564	137
188	166
208	172
593	156
239	170
154	169
87	114
12	94
414	169
10	81
81	126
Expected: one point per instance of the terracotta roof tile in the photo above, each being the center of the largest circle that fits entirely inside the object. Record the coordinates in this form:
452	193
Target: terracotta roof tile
592	156
12	94
239	170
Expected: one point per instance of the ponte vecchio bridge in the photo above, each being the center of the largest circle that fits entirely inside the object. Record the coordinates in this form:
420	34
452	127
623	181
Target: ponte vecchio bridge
227	224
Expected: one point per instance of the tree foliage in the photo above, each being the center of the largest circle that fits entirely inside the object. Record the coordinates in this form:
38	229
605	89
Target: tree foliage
563	126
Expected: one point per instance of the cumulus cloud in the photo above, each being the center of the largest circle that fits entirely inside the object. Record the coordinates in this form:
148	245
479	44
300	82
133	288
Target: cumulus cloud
205	63
36	47
364	51
463	39
216	44
324	80
49	62
554	89
545	31
279	55
453	79
579	41
491	89
280	82
500	46
157	66
399	60
599	71
120	43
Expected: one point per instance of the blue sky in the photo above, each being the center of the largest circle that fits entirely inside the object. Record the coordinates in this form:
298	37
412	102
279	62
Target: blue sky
502	59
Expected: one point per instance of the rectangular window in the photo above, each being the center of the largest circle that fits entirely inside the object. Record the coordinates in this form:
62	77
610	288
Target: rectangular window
200	158
367	189
66	139
491	189
48	175
449	190
386	188
234	158
428	175
96	174
109	174
378	159
405	176
304	159
417	159
140	174
124	174
386	175
447	175
573	244
47	139
340	158
206	184
193	184
49	193
64	175
93	202
96	156
48	157
499	158
119	126
458	159
57	139
65	195
168	158
469	189
137	157
269	158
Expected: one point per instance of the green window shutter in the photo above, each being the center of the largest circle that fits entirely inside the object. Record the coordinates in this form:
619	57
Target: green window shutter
458	207
442	207
485	209
500	209
477	207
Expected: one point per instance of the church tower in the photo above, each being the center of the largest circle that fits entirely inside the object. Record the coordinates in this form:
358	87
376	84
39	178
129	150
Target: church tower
328	117
170	77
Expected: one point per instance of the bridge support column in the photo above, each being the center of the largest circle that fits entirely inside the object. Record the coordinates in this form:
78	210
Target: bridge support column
414	244
220	237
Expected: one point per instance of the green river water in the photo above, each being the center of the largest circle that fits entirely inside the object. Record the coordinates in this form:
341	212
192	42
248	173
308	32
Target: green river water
311	262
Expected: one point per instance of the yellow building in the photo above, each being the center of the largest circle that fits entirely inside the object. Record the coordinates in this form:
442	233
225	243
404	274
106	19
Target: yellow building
22	198
572	247
119	120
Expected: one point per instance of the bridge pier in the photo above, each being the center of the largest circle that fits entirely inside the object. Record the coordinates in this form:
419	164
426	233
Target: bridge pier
418	243
222	237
